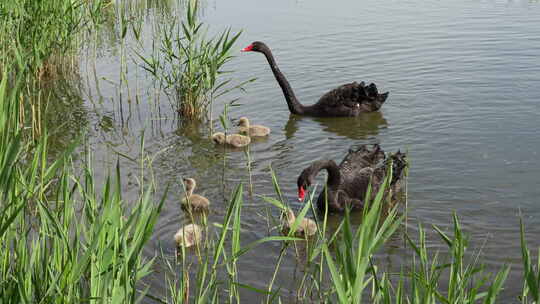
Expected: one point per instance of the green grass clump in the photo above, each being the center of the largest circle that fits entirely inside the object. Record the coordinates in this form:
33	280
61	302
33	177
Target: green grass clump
61	239
36	33
189	65
41	37
351	267
467	282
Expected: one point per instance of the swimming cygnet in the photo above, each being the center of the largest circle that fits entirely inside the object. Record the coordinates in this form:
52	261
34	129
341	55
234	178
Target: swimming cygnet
235	140
306	227
254	130
193	202
188	235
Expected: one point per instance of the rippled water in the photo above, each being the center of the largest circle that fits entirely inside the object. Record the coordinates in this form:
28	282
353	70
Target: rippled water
464	82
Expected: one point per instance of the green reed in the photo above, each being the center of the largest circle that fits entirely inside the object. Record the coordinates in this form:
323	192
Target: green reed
351	267
531	271
41	36
467	282
190	66
345	261
61	239
347	267
39	43
214	278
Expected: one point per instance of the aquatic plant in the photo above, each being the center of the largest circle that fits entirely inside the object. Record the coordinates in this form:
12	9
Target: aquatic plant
41	36
466	282
348	267
531	271
351	267
189	65
59	237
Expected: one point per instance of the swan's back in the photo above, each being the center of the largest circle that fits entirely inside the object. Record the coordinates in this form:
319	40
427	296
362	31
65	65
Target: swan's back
356	160
352	97
350	92
347	183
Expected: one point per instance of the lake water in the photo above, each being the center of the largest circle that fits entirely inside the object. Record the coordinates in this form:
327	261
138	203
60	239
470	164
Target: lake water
464	82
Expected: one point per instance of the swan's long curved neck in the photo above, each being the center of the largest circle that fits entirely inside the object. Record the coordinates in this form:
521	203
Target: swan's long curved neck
334	176
294	105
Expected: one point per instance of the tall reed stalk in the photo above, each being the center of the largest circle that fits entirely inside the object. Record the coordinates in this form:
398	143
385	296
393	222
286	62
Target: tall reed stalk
41	36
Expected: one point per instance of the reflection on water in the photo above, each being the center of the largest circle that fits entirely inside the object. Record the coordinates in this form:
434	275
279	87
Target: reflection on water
360	127
194	131
65	113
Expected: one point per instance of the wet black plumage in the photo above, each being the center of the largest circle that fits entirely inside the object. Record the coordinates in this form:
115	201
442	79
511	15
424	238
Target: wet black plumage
348	182
346	100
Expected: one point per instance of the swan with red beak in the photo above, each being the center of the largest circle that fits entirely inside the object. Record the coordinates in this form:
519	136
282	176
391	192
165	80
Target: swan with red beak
347	100
348	182
248	48
304	182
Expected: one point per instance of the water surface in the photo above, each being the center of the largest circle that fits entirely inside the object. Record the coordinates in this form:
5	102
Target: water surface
464	82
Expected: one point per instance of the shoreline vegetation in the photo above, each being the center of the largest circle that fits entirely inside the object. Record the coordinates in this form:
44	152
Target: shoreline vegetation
67	236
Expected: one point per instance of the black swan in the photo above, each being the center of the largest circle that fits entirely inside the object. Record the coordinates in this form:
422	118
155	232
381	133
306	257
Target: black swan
348	182
346	100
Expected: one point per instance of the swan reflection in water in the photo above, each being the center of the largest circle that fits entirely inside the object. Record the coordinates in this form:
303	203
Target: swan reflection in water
361	127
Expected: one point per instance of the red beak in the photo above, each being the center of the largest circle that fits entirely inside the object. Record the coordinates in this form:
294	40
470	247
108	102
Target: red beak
301	194
247	48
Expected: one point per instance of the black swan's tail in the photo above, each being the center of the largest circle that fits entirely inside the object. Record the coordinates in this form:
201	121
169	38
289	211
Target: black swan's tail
369	97
363	157
399	163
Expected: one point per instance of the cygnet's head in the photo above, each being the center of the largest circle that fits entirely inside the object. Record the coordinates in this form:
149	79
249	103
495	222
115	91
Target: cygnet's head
189	183
219	138
243	122
290	217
